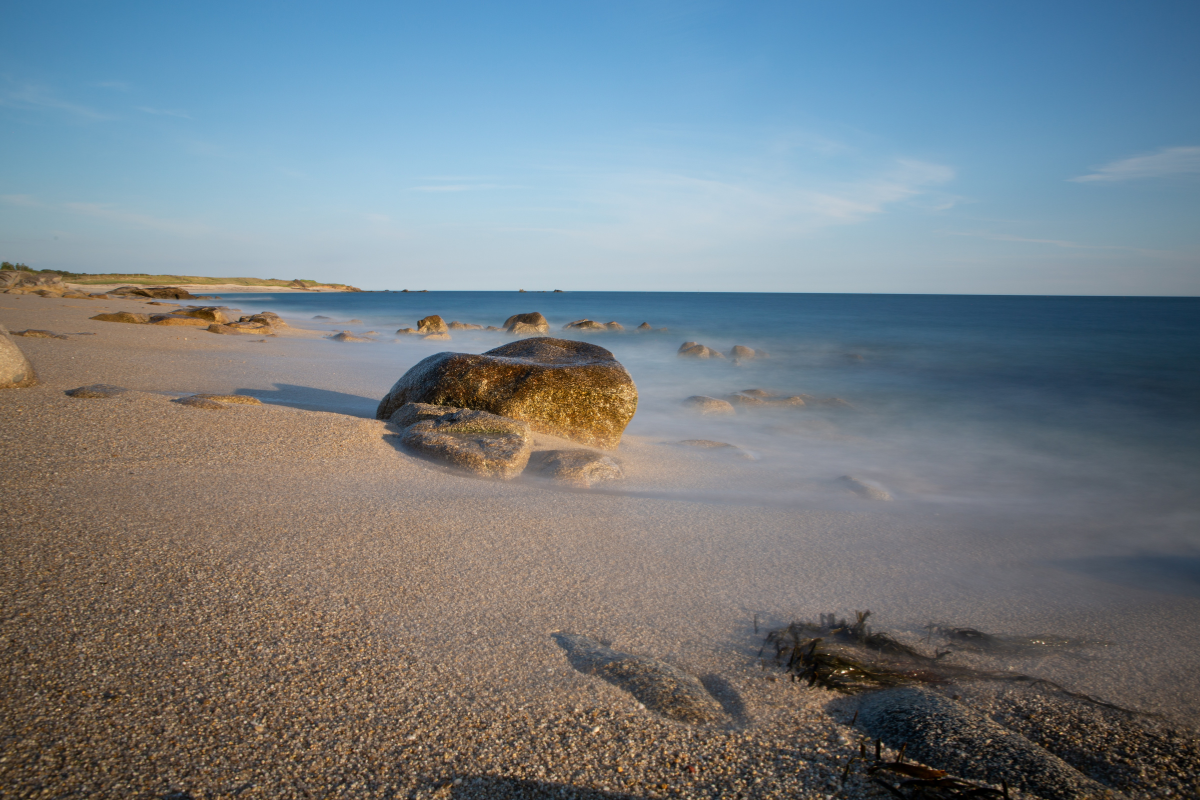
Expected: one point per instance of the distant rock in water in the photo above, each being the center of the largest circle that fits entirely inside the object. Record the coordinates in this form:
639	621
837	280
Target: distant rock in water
951	736
533	322
432	324
758	398
477	441
406	332
614	326
645	326
742	353
15	370
695	350
123	316
347	336
329	319
565	388
662	688
464	326
97	391
578	467
865	490
709	405
584	325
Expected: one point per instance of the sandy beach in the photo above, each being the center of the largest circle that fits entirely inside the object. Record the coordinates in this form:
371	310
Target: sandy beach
275	601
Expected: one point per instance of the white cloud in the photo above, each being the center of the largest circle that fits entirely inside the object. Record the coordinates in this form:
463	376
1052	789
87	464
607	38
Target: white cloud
1167	162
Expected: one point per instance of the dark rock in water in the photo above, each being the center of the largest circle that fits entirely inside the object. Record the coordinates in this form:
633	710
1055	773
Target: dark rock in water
532	322
757	398
432	324
15	370
484	443
35	334
347	336
578	467
867	491
156	292
123	316
645	326
565	388
709	405
196	401
97	391
493	328
948	735
742	353
698	351
659	686
318	316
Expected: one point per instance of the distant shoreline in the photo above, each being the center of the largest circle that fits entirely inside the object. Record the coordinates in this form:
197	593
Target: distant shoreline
207	288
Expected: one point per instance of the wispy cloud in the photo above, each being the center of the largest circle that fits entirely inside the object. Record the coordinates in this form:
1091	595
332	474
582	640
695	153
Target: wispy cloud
458	187
1062	243
1167	162
31	96
111	213
163	112
118	86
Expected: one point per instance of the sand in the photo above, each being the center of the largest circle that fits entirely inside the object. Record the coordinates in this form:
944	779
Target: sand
276	601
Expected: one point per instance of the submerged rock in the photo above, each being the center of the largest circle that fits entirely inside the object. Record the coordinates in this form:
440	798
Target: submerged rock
948	735
437	337
614	326
709	405
15	370
865	490
432	324
97	391
578	467
565	388
743	353
694	350
35	334
533	322
477	441
123	316
659	686
347	336
406	332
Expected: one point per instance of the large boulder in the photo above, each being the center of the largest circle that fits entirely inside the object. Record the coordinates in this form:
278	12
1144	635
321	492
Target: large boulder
432	324
15	369
477	441
532	322
570	389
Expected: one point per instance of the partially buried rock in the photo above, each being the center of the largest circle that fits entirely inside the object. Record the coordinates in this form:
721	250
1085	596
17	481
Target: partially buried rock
176	319
584	325
15	369
578	467
864	489
659	686
948	735
97	391
195	401
432	324
347	336
34	334
565	388
477	441
235	399
709	405
123	316
533	322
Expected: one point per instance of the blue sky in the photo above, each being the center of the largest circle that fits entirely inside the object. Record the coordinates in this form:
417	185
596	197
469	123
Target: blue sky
983	147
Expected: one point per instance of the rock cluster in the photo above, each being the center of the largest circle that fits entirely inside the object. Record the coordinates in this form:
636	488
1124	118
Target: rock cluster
214	319
565	388
483	443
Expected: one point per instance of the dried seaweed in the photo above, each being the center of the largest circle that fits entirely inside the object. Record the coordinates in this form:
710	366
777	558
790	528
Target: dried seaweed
915	782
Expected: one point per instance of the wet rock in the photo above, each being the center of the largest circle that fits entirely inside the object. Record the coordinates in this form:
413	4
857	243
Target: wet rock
743	353
97	391
35	334
432	324
235	399
584	325
156	292
464	326
195	401
645	326
948	735
477	441
578	467
532	322
660	687
123	316
698	351
614	326
864	489
177	319
565	388
406	332
15	370
211	313
709	405
347	336
437	337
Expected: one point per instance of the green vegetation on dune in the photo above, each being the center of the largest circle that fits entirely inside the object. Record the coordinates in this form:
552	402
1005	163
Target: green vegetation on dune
142	279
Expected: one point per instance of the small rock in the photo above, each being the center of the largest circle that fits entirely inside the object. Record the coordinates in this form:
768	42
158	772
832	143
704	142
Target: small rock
709	444
868	491
432	324
493	328
659	686
483	443
464	326
579	467
584	325
533	322
709	405
124	316
97	391
412	413
195	401
34	334
347	336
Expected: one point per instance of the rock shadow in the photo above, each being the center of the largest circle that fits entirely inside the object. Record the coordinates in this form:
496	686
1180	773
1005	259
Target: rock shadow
310	398
729	698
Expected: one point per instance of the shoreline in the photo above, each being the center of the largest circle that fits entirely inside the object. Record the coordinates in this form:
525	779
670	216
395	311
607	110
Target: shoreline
202	288
278	601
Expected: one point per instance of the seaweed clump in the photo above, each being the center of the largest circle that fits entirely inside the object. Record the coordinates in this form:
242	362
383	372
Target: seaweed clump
910	781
